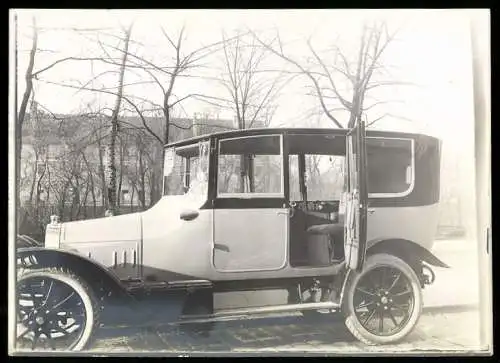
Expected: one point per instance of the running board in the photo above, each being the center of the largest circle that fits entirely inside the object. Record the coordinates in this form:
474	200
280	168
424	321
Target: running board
259	310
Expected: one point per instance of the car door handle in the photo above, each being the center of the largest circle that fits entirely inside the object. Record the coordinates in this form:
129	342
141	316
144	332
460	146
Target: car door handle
282	213
219	246
189	215
371	210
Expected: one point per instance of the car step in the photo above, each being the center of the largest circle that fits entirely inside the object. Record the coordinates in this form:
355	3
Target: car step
258	310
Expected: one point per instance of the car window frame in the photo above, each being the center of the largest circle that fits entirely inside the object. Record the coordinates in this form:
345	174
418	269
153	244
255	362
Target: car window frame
239	195
410	188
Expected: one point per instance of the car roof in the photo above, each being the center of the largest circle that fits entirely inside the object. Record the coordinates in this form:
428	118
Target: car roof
292	131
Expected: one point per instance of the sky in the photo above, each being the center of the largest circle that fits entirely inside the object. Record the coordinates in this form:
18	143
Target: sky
432	51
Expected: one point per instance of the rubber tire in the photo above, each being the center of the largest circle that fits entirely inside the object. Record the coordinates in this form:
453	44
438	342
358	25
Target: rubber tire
352	323
82	288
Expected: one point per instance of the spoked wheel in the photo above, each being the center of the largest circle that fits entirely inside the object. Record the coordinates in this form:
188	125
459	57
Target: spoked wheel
56	310
384	301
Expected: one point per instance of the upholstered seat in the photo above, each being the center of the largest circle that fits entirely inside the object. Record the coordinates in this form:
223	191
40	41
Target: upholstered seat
325	243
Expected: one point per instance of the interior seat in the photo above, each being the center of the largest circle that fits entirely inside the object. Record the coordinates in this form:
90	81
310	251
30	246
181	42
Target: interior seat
326	239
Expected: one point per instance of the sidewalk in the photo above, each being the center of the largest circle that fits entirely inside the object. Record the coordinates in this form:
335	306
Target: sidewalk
459	284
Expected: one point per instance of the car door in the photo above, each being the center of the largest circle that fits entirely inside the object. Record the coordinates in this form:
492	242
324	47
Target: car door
356	198
251	218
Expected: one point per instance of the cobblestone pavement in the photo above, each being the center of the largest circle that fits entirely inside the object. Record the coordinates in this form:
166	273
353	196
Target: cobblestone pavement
442	329
450	322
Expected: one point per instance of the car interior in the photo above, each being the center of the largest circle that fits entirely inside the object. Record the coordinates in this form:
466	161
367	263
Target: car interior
316	181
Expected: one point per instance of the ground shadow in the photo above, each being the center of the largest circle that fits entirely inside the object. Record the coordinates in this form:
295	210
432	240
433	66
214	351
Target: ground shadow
147	328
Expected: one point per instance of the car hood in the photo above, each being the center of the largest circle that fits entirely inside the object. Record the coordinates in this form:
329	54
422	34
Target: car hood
127	227
118	228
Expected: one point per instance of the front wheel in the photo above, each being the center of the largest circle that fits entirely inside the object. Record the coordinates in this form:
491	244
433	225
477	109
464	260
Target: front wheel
384	301
56	310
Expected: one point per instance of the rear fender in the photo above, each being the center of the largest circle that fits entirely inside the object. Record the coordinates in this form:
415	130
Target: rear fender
95	274
405	249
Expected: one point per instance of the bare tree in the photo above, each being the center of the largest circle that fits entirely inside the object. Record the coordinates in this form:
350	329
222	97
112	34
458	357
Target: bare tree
29	84
251	93
111	163
341	82
30	75
165	77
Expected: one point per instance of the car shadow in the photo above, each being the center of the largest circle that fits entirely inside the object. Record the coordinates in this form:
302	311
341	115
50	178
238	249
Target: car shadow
149	328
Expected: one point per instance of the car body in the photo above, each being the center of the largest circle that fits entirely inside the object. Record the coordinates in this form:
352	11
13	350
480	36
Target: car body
263	220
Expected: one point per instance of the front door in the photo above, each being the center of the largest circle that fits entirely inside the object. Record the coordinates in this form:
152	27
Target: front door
251	219
356	198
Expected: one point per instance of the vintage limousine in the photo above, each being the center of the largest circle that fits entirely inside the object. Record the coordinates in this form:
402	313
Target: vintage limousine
253	222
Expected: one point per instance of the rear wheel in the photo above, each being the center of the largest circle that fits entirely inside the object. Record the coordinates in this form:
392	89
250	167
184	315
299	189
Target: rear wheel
56	310
384	301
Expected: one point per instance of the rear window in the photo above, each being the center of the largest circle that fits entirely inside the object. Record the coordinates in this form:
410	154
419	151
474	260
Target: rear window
390	166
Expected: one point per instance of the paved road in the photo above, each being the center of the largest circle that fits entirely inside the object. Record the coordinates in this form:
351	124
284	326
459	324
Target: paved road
450	323
444	329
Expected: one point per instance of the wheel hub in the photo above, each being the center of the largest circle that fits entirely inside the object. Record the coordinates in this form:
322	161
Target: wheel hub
40	319
384	300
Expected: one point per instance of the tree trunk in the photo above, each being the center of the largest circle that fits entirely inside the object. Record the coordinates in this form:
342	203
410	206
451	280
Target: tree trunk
141	192
48	186
62	205
111	164
92	186
132	199
38	192
27	91
102	173
35	176
84	202
166	113
120	180
152	187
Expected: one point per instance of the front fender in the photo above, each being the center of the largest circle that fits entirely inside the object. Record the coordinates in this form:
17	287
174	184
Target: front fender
91	271
406	249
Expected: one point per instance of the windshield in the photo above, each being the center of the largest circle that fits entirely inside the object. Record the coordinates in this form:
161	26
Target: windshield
185	169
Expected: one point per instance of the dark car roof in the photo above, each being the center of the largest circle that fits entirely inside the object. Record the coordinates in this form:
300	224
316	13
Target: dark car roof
292	131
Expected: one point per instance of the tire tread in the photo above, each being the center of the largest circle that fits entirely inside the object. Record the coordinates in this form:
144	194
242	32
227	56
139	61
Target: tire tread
351	320
86	287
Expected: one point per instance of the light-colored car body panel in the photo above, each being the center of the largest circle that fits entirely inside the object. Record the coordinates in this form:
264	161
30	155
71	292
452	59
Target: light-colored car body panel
115	242
175	246
253	239
416	224
257	240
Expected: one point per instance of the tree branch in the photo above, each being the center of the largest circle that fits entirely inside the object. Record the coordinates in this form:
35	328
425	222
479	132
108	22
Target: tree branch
307	73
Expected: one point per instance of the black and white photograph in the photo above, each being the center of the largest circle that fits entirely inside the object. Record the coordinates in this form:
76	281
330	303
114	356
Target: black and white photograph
285	182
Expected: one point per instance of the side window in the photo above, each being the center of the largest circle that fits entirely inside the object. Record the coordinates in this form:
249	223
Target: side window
390	166
250	165
324	177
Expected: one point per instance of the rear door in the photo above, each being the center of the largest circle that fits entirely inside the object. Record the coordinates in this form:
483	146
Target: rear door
356	198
